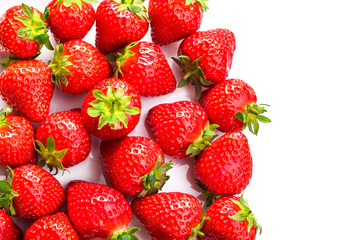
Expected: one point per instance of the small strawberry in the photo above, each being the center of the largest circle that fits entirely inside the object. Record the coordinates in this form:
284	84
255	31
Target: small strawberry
181	128
77	66
55	227
16	140
98	211
70	19
31	192
144	66
111	109
206	57
119	22
8	229
63	140
135	165
26	86
172	20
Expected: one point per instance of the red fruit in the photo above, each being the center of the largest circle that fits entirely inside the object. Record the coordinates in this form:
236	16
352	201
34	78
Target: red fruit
119	22
26	86
63	140
172	20
231	104
145	67
8	229
70	19
98	211
54	227
135	165
181	128
16	140
77	66
111	109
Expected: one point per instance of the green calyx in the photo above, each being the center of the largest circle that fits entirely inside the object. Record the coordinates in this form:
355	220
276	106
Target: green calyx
121	58
155	179
58	66
204	141
210	196
7	194
201	2
50	157
134	6
68	3
112	108
13	59
252	116
245	214
3	114
196	231
126	235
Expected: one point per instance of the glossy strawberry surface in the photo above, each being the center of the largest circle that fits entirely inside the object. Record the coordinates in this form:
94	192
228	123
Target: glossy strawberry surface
8	229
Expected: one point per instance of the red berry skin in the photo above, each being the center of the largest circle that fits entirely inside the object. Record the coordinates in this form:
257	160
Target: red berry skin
168	215
26	86
68	23
8	229
115	29
225	167
55	227
97	211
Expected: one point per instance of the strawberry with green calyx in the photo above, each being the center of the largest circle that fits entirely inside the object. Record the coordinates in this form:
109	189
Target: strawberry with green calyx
252	116
8	229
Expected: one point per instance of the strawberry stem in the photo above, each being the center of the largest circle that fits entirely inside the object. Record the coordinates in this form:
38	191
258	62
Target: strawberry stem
58	66
134	6
204	141
126	235
122	56
196	231
3	114
251	117
7	194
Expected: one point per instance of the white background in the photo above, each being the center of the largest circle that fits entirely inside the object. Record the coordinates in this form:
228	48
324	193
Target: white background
302	58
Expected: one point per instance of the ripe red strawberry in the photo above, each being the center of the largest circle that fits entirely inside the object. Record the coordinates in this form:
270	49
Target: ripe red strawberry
16	140
135	165
230	218
144	66
31	192
77	66
70	19
98	211
8	229
231	104
206	57
55	227
172	215
63	140
119	22
111	109
181	128
23	31
26	86
172	20
224	167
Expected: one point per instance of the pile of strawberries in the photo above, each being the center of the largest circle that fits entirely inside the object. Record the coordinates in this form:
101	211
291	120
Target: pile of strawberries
114	74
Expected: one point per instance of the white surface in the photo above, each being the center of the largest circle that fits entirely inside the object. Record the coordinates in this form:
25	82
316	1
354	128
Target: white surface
302	58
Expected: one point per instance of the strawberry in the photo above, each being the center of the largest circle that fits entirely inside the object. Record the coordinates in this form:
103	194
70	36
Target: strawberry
119	22
135	165
171	215
232	105
143	65
77	66
98	211
63	140
55	227
181	128
23	31
8	229
16	140
70	19
31	192
26	86
230	218
224	167
111	109
206	57
172	20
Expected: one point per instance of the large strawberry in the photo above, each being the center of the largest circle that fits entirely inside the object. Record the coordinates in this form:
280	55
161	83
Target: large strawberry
62	140
181	128
143	65
231	104
77	66
31	192
70	19
98	211
135	165
23	31
172	20
111	109
206	57
8	229
26	86
119	22
16	140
